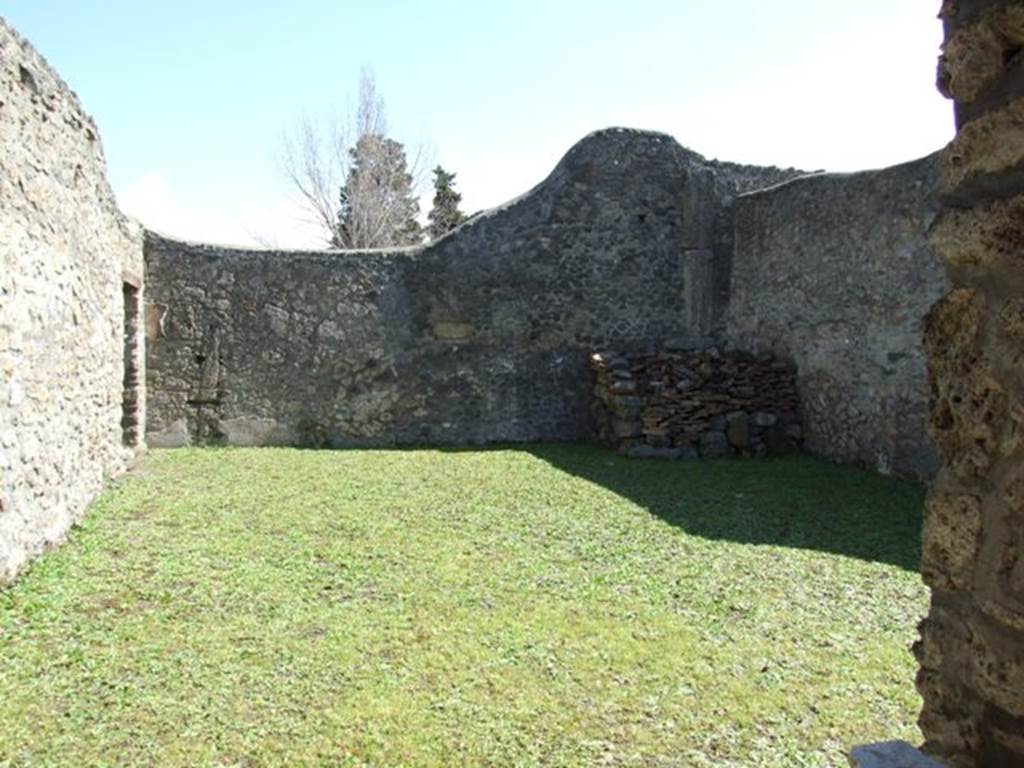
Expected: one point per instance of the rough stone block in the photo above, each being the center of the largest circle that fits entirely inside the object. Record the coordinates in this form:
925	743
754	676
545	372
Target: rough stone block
976	55
948	719
969	405
991	146
989	235
952	529
623	429
155	316
174	435
890	754
996	668
1011	744
650	452
714	445
256	432
738	430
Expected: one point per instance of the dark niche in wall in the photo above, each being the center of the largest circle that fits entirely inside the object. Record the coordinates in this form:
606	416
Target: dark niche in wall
131	402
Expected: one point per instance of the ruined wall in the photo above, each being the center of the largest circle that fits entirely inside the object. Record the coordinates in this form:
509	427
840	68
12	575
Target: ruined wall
481	336
675	405
633	242
972	643
835	272
65	254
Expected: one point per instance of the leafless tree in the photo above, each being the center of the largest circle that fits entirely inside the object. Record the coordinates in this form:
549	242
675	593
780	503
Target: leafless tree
318	159
378	205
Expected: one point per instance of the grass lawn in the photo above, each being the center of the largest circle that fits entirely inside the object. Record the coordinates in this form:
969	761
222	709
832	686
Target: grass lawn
545	605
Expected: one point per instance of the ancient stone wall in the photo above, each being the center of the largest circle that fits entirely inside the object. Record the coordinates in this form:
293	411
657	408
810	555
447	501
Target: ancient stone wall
972	643
684	404
68	260
482	336
835	272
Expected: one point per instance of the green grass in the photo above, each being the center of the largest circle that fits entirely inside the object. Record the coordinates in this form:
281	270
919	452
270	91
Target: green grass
551	605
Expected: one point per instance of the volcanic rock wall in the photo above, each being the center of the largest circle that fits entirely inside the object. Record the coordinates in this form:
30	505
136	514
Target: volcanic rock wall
684	404
835	272
481	336
68	263
633	242
972	643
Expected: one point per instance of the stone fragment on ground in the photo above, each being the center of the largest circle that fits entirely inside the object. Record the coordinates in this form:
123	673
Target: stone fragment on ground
890	754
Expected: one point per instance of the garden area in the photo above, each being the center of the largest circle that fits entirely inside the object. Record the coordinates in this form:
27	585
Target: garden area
548	605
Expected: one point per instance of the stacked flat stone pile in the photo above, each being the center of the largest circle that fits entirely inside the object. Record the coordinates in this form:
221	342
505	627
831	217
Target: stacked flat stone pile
698	403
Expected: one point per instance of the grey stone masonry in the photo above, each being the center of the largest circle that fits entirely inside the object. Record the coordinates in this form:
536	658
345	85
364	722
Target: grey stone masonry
835	272
68	259
481	336
632	243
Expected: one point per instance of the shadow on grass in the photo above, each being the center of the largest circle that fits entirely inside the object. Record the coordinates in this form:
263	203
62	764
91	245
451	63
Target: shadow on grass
793	501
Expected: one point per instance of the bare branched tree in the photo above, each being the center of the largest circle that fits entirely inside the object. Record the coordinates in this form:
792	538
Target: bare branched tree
378	207
346	173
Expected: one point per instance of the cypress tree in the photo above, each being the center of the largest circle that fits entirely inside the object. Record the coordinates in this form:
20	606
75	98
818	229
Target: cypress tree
445	215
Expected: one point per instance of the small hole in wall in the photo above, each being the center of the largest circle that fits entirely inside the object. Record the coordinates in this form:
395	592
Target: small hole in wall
28	80
943	419
641	218
200	359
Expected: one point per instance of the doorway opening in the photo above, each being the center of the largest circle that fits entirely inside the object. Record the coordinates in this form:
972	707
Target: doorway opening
131	403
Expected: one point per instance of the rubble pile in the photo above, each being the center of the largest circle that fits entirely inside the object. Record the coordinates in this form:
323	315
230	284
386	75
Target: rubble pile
696	403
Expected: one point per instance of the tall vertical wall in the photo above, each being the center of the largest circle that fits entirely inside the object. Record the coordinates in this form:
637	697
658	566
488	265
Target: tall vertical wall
481	336
972	643
835	272
66	254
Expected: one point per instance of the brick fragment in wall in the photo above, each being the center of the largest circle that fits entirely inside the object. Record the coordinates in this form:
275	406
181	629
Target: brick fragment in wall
985	151
977	55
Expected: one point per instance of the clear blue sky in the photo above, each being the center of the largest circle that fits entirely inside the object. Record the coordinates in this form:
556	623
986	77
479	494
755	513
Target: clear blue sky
191	97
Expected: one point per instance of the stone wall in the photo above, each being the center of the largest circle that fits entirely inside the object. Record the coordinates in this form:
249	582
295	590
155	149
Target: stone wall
684	404
482	336
66	255
835	272
972	643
